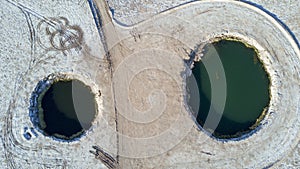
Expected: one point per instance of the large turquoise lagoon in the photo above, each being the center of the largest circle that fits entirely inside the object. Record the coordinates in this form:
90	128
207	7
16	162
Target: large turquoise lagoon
247	88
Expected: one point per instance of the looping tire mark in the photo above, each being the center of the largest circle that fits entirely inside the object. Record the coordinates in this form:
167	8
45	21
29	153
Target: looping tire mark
61	35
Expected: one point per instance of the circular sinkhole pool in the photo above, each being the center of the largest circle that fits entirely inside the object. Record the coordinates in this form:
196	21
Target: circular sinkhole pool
63	109
247	89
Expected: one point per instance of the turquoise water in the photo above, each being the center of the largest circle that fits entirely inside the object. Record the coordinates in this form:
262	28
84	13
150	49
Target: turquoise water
247	88
68	109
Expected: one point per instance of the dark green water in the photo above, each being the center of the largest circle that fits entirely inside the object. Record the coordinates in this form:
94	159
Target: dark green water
68	109
247	88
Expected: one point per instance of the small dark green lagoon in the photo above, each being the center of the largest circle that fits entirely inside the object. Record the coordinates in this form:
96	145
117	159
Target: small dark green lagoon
64	110
247	89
